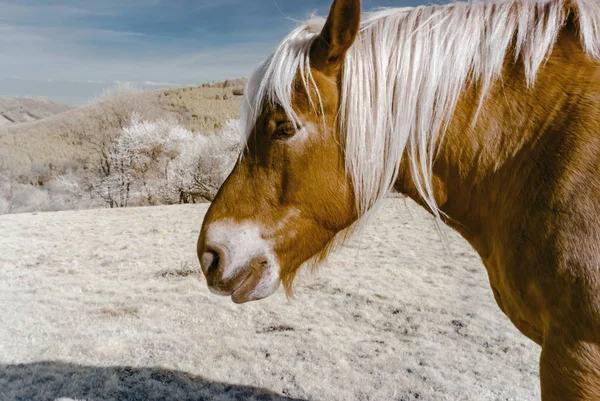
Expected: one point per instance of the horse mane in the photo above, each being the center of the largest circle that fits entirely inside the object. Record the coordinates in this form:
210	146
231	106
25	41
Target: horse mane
403	77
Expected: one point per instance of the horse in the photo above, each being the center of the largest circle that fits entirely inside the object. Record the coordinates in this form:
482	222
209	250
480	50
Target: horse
486	114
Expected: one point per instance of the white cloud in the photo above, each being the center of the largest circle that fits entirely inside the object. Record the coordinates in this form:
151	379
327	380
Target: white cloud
50	43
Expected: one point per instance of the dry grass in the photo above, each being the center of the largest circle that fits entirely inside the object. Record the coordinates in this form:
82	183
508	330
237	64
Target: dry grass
26	109
114	304
56	163
72	136
75	136
206	108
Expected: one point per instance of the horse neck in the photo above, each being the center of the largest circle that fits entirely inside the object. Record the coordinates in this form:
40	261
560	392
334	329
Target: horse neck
481	172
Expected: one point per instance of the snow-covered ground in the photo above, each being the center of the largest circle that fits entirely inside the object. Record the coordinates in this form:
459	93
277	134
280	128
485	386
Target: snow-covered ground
103	305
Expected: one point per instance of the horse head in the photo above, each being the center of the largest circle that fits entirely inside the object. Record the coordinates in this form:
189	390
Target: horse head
289	194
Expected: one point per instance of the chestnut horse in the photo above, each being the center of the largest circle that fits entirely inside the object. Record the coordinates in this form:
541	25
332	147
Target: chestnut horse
487	114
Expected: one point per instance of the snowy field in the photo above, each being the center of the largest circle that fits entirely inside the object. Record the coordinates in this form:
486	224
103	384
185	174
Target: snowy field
107	305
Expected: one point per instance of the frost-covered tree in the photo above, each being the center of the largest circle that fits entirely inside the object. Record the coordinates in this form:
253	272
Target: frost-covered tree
155	162
203	164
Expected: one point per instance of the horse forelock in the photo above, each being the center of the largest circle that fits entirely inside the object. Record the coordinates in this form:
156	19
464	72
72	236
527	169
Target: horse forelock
273	80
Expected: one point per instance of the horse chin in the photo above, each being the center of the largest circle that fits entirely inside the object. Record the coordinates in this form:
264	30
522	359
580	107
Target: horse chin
258	285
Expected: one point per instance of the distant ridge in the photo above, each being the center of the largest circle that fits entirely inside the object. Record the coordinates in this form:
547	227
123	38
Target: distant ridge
26	109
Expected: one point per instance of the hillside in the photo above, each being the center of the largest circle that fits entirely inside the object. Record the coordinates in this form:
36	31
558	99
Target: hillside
109	305
26	109
73	136
207	107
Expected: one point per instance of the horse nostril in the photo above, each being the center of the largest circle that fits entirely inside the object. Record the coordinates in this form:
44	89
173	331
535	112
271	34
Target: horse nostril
210	261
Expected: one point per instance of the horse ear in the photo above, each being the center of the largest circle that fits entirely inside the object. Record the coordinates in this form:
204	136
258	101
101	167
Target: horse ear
338	34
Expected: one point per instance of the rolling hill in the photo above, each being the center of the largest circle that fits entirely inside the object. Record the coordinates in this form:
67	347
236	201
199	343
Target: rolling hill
63	136
27	109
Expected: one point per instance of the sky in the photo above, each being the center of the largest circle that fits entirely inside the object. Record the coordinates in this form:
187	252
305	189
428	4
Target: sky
69	50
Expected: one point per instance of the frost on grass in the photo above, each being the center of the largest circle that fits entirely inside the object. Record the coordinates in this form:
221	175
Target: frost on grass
110	305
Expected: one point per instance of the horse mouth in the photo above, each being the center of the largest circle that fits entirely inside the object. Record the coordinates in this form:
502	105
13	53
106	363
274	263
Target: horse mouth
244	291
239	297
227	289
261	282
257	280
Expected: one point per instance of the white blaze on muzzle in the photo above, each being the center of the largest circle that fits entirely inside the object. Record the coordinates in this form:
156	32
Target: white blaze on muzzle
239	261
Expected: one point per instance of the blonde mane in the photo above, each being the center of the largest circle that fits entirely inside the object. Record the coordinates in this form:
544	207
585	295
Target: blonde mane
403	77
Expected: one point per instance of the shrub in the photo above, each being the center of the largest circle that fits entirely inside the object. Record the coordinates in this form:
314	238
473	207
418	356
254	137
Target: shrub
28	198
239	91
154	162
67	193
6	194
202	165
139	160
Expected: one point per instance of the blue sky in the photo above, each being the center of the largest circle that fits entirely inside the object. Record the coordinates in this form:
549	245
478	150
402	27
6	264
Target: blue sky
70	50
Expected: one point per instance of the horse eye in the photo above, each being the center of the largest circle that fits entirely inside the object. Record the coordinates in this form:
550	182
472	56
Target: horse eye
284	130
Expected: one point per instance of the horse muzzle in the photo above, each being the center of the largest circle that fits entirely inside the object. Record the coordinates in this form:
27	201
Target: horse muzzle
238	262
